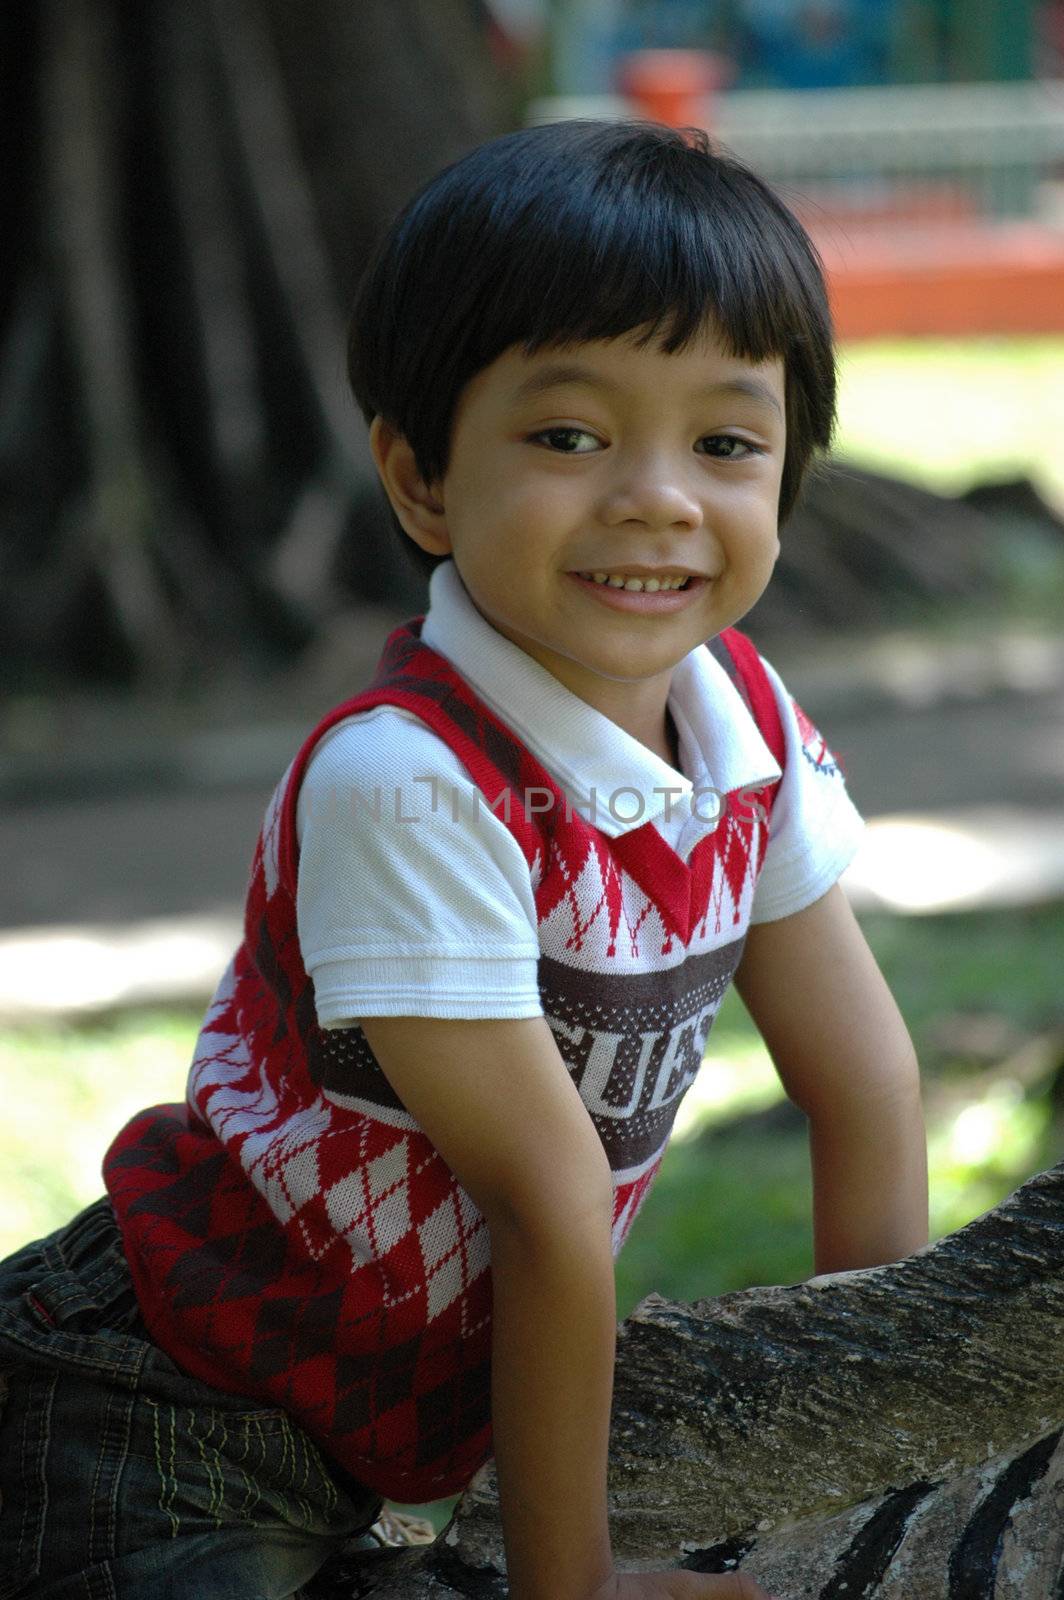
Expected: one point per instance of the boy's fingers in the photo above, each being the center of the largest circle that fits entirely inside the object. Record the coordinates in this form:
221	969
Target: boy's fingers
736	1586
747	1588
750	1590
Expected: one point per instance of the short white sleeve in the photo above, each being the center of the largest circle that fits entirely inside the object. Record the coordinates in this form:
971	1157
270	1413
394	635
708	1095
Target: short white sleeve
815	828
413	898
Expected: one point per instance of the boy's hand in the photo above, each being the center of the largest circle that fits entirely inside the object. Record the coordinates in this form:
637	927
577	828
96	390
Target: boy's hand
680	1586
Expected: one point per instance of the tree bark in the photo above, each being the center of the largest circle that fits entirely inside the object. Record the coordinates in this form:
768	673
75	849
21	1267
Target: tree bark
894	1432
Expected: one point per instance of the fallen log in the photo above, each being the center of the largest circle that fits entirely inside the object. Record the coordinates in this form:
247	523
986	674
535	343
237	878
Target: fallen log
893	1432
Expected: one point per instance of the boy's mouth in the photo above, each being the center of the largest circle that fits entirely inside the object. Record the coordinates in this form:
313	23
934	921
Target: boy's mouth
655	594
666	581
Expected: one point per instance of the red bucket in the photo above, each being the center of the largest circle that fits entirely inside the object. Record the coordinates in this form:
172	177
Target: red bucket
676	87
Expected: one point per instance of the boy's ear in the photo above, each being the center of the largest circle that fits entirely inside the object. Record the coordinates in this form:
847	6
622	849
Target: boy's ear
415	503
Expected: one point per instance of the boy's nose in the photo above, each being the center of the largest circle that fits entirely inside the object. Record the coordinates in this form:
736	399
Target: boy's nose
653	495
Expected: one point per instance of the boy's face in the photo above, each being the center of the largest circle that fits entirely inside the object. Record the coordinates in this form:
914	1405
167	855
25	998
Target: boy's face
609	458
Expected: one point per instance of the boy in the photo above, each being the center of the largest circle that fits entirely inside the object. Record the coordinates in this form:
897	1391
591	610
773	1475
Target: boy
495	904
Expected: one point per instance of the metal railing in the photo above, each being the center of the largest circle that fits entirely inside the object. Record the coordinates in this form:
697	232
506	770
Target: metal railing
932	153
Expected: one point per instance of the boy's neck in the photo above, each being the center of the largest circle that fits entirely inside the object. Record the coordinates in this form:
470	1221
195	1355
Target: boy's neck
672	741
641	710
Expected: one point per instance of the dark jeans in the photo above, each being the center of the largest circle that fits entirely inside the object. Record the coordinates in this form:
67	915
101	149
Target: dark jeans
119	1476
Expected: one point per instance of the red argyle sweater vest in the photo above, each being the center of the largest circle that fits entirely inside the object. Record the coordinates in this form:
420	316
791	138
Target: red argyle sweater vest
293	1236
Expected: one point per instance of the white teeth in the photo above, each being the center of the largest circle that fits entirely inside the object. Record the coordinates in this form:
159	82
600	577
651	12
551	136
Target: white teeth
635	585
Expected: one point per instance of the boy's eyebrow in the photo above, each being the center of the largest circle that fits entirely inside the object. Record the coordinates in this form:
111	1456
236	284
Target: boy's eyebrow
554	377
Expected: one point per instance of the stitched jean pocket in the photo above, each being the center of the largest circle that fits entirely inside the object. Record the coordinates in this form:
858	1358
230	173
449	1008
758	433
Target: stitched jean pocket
100	1478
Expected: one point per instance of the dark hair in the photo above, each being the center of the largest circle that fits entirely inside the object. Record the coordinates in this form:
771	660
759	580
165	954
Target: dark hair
587	230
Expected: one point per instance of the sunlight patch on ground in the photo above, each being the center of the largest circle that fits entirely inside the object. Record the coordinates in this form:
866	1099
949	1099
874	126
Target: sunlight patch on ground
62	970
970	857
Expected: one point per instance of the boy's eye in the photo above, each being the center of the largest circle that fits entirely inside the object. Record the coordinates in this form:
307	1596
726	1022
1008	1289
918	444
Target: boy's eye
573	441
728	447
567	441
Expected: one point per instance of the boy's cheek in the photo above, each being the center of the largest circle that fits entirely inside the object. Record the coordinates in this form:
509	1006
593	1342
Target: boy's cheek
535	496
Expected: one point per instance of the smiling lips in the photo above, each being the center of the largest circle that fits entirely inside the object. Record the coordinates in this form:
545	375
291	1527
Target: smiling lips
637	585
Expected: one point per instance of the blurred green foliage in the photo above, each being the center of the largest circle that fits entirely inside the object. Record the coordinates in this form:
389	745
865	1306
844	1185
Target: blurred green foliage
981	994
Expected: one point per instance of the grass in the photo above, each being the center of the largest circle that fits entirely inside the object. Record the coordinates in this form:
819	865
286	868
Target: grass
980	992
75	1084
952	412
732	1204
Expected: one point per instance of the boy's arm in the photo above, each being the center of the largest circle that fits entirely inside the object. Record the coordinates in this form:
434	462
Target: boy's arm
844	1056
496	1100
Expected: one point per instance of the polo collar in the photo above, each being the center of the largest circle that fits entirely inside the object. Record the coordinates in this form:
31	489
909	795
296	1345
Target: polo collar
721	748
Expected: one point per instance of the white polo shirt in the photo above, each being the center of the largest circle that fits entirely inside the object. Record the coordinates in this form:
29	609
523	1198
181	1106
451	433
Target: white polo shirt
414	898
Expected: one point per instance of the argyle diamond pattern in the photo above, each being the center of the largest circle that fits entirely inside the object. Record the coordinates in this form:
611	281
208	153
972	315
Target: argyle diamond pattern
293	1236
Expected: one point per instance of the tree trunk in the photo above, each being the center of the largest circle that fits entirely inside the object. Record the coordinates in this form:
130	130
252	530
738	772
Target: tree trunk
894	1432
184	474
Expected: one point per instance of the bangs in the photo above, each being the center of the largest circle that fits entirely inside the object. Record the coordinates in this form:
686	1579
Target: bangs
666	249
